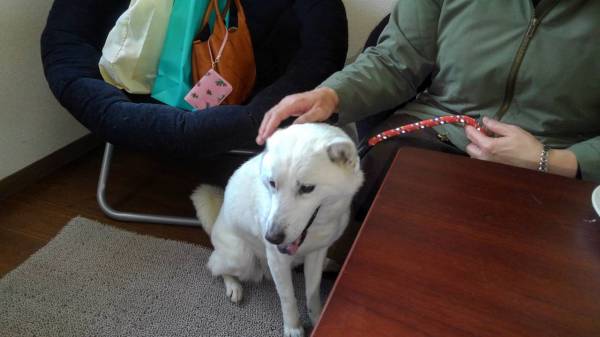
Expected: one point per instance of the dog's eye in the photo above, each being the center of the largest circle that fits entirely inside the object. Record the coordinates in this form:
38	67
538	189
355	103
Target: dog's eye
272	183
305	189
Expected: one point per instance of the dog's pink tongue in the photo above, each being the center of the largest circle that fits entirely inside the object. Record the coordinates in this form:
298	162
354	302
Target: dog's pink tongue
290	248
293	247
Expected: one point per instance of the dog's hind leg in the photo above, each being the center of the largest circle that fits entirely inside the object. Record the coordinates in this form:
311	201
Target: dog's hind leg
233	288
281	270
232	264
313	270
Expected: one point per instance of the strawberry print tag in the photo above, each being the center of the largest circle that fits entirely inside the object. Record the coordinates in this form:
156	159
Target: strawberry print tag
210	91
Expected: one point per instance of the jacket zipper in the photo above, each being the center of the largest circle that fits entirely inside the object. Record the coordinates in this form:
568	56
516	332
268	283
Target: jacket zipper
509	92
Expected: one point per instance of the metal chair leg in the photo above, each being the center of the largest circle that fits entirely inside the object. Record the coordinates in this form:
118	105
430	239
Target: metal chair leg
128	216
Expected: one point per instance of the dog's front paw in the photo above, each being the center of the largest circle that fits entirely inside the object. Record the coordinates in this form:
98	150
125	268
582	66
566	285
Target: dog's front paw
233	289
293	332
314	316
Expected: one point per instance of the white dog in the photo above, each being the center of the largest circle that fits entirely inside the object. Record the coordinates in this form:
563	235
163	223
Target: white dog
283	207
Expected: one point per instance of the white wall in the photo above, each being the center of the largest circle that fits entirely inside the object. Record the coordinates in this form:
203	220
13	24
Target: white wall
32	123
363	16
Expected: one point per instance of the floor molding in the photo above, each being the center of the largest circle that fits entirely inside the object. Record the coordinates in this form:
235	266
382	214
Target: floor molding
45	166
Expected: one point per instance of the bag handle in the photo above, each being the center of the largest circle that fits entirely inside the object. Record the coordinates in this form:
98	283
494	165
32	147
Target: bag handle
240	16
213	5
237	17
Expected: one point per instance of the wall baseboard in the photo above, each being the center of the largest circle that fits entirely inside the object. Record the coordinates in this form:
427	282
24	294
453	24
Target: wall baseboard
45	166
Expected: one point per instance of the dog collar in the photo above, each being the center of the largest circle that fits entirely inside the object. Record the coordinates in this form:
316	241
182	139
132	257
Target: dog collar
292	248
310	222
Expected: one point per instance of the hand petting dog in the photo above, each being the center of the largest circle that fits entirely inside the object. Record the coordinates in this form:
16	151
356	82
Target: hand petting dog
310	106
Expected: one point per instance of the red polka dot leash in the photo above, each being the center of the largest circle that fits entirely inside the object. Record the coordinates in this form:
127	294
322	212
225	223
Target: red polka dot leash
428	123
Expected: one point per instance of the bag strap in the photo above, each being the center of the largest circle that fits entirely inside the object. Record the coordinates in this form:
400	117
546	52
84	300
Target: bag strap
240	16
213	5
233	22
237	10
237	17
215	60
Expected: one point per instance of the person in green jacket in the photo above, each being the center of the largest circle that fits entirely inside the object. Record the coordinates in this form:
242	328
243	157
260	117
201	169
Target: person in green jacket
529	70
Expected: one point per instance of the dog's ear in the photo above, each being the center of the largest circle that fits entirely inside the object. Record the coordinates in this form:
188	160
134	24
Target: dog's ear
342	151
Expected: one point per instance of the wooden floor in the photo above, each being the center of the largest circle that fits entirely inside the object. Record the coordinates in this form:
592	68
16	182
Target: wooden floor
33	216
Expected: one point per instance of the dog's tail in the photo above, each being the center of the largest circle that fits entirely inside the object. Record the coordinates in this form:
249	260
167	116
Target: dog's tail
207	200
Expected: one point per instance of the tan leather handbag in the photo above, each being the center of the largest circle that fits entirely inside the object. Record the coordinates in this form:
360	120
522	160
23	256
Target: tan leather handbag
227	51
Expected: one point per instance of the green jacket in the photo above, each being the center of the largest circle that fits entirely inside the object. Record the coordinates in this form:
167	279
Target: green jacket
535	68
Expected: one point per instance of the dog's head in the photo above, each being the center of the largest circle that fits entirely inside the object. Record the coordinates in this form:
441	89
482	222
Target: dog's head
306	168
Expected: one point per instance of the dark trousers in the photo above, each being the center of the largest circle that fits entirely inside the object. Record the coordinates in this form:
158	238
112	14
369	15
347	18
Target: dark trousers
375	165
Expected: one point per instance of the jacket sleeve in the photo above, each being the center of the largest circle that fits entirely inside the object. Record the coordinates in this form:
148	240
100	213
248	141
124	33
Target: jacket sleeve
388	74
588	157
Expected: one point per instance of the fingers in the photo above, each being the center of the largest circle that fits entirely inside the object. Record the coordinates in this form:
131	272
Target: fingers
474	151
497	127
482	141
293	105
260	139
315	114
269	125
311	106
261	129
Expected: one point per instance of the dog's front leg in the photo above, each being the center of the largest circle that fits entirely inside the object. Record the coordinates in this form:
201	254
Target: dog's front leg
313	270
281	270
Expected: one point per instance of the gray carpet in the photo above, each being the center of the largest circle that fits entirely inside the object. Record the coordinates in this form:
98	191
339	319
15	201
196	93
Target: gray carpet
96	280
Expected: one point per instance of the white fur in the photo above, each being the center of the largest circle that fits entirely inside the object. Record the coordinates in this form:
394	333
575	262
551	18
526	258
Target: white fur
207	200
309	154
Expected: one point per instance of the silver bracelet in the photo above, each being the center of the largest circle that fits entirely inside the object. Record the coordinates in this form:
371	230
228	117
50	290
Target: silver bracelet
543	164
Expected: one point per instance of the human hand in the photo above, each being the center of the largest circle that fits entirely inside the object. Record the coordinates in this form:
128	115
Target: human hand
517	147
513	145
310	106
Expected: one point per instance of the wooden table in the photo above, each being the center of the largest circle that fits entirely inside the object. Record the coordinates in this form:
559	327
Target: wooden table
459	247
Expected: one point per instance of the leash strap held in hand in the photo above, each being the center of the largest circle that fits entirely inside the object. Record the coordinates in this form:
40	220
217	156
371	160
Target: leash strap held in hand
428	123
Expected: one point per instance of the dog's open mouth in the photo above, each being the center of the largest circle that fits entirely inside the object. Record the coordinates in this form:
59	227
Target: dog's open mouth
292	248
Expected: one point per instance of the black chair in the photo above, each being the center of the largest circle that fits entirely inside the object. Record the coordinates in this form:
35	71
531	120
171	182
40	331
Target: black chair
297	45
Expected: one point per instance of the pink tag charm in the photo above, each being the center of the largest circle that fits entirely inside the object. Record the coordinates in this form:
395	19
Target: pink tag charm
210	91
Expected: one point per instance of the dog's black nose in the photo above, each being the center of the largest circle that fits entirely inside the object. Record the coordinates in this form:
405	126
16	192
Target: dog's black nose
275	237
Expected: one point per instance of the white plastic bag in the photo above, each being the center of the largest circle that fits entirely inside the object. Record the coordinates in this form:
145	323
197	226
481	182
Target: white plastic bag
132	50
